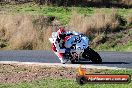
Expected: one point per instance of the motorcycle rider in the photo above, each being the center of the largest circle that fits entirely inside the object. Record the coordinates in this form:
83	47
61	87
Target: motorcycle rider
60	48
61	34
59	44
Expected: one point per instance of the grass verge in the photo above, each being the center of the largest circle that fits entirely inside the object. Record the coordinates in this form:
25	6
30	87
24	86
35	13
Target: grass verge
105	47
61	83
63	13
32	31
36	76
68	83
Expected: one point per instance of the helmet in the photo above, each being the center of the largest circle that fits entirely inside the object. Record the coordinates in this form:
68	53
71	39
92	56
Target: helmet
60	32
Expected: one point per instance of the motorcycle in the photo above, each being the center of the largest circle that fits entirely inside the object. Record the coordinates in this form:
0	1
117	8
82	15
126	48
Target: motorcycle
79	49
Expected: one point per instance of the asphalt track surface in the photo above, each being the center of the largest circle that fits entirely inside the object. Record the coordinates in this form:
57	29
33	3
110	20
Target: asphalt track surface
110	59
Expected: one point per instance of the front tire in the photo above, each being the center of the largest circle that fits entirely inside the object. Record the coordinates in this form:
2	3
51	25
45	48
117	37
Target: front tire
93	56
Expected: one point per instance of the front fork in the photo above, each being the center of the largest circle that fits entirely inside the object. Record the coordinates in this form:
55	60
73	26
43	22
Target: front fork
86	54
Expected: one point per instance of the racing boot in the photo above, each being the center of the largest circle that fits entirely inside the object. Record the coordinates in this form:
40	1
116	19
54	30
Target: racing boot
63	61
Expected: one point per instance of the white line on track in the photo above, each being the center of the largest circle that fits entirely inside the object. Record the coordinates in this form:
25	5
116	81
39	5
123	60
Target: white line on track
59	65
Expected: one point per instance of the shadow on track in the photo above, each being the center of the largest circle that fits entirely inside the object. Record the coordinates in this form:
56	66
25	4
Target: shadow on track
103	63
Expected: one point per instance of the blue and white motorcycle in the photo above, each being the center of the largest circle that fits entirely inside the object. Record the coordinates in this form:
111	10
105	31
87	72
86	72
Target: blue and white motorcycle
77	49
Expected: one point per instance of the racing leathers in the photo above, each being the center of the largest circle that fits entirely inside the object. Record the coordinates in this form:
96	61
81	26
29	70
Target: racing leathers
62	46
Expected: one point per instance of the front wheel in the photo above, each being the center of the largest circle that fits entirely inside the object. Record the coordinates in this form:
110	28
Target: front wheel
93	56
